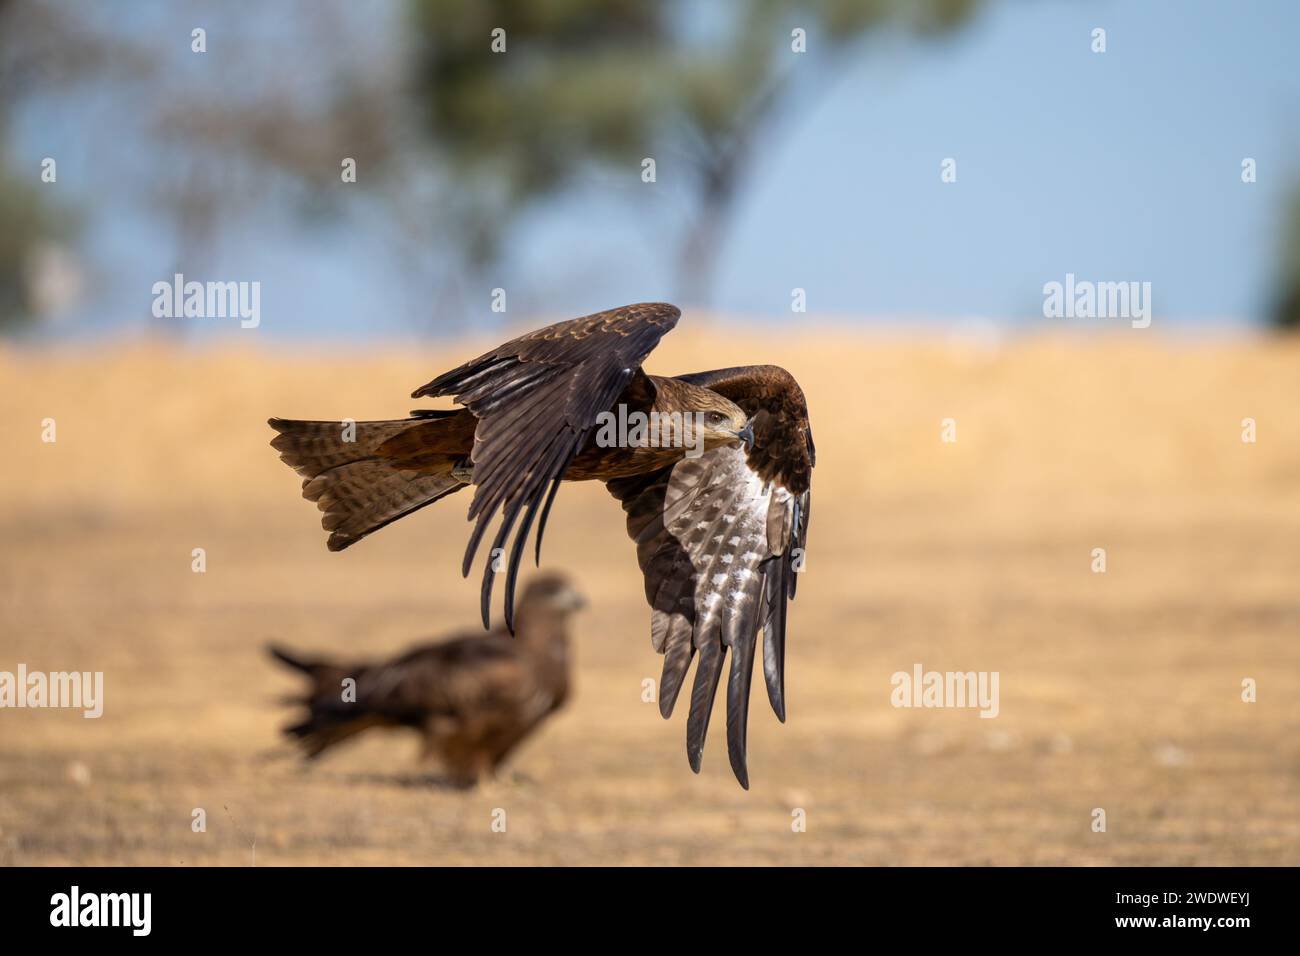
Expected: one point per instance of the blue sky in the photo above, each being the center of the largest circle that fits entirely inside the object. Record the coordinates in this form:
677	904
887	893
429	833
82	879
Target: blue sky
1117	166
1122	165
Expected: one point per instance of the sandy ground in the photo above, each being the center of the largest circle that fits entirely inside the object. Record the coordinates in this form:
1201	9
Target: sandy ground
1119	691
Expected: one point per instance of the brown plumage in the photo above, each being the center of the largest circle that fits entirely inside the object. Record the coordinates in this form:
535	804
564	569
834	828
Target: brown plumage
473	698
720	534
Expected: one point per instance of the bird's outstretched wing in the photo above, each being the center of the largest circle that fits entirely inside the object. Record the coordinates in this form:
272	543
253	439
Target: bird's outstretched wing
720	538
536	399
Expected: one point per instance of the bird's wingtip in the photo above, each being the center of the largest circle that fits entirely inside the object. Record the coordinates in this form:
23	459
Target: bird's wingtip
778	707
741	769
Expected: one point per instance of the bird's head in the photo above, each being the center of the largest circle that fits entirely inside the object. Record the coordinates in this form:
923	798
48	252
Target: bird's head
554	591
720	420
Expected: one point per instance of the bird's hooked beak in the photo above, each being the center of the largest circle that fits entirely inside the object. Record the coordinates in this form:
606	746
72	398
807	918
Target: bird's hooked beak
746	436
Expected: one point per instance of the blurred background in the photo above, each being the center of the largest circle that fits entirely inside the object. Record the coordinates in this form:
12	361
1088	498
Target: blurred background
774	170
798	156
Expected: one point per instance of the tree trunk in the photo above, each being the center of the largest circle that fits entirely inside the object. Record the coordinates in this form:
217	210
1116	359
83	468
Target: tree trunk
700	251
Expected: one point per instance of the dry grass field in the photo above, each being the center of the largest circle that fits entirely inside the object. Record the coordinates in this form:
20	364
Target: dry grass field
1119	690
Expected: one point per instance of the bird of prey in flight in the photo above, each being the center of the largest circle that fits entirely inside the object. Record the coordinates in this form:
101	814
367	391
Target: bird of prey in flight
720	526
474	698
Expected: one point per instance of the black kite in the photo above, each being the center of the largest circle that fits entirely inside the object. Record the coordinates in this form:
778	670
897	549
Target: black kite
473	698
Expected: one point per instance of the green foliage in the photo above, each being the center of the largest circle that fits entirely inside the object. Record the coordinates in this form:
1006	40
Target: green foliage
525	116
25	220
1286	305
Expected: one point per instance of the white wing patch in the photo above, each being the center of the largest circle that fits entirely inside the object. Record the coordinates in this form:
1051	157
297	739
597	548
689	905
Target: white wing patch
721	523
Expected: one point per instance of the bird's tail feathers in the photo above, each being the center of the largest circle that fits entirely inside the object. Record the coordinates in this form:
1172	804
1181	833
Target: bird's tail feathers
322	730
332	716
291	659
365	475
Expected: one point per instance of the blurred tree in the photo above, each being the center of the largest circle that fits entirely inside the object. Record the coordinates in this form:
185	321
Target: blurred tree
1286	306
614	81
27	222
221	144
